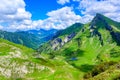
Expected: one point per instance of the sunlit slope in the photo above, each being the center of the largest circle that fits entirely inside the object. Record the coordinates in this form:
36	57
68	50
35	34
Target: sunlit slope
95	43
20	63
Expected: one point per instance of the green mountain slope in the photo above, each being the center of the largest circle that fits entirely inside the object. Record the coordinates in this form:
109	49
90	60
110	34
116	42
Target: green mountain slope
20	63
80	52
22	38
59	36
94	44
31	39
71	29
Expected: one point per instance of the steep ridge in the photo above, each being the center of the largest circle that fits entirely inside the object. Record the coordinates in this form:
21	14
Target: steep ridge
95	43
80	52
71	29
61	38
95	28
103	22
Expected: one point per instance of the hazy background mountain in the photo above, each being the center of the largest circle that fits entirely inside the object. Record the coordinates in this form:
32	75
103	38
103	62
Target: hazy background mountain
32	38
80	52
60	40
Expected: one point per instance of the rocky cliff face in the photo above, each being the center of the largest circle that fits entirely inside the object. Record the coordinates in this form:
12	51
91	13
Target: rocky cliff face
95	25
101	27
58	42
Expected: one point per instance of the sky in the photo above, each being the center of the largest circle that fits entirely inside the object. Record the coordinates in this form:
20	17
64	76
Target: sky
53	14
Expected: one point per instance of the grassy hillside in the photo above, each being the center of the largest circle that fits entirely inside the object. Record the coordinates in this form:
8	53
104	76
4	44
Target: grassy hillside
22	38
95	44
88	52
20	63
73	28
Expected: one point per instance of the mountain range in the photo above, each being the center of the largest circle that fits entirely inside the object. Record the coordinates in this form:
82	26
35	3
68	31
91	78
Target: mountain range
92	44
80	52
31	38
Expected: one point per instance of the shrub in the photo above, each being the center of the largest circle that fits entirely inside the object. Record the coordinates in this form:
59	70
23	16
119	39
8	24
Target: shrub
99	69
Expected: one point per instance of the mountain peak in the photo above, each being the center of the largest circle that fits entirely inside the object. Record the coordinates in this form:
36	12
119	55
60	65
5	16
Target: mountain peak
98	15
100	21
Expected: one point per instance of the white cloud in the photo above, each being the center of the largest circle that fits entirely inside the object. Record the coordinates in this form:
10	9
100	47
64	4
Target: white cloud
109	8
62	2
13	10
58	19
76	0
13	16
10	7
13	13
1	27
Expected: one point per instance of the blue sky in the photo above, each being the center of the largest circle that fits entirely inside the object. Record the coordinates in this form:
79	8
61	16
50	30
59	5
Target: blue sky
39	8
57	14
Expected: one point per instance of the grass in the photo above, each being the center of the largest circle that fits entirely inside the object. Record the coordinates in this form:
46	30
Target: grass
88	60
91	51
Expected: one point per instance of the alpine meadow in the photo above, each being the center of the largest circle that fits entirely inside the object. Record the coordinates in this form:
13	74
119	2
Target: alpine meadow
60	40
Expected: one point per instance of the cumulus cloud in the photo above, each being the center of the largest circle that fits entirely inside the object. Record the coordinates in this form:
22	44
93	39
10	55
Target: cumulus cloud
1	27
13	10
76	0
59	19
62	2
109	8
13	16
13	13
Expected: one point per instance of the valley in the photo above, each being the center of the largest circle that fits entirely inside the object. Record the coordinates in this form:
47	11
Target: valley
80	52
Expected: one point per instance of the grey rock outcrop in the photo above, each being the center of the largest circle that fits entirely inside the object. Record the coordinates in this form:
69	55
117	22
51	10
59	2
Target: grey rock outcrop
58	42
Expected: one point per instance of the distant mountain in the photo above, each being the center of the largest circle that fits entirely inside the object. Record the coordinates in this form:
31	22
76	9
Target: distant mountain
71	29
42	33
93	49
80	52
31	38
